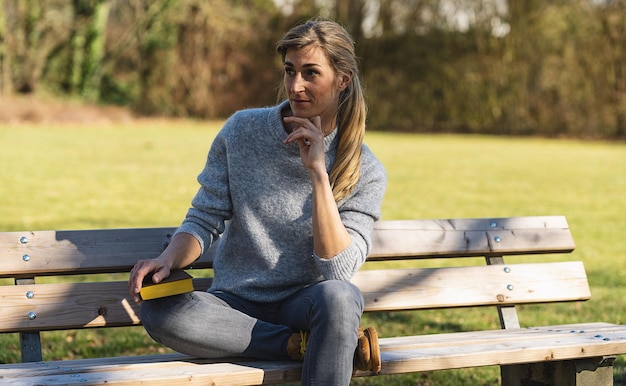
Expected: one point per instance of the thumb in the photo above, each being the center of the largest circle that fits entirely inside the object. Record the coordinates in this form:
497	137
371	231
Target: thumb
159	275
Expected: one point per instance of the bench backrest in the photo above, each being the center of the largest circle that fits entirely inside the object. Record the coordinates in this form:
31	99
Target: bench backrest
29	306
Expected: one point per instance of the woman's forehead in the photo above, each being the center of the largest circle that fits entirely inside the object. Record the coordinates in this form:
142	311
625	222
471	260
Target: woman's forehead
311	54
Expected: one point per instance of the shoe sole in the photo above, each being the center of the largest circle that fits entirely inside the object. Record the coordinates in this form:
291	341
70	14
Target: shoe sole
375	362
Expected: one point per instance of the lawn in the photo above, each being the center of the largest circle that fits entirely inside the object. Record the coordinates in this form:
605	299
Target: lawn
143	173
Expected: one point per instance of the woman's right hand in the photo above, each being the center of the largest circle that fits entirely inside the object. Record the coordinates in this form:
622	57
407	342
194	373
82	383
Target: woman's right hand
183	250
142	269
309	135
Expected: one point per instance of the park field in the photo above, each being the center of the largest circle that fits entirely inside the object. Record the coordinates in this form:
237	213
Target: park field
143	174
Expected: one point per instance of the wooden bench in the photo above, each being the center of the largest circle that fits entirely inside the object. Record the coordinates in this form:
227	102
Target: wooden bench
578	354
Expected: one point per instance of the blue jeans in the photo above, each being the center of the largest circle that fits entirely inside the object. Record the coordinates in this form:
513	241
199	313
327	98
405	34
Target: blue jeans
218	324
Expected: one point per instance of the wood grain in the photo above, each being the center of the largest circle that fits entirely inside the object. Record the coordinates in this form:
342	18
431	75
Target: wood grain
107	304
117	250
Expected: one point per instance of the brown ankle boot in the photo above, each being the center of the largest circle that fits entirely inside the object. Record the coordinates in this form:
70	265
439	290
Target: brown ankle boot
296	345
367	354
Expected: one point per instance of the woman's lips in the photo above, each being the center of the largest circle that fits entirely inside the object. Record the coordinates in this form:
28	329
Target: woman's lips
299	101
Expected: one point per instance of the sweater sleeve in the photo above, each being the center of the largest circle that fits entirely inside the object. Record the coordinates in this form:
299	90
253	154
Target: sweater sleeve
358	212
211	206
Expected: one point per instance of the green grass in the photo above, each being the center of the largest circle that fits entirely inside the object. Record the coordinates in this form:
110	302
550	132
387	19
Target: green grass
143	174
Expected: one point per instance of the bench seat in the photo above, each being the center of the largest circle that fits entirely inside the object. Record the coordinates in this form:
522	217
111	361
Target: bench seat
399	355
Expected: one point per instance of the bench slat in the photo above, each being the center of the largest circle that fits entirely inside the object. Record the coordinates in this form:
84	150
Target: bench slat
406	289
502	347
78	305
399	355
117	250
81	251
157	374
471	237
71	305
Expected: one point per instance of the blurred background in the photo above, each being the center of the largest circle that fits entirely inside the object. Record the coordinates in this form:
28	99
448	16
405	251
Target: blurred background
552	68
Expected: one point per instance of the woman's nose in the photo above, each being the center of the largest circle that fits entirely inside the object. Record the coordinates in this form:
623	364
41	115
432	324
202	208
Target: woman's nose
297	84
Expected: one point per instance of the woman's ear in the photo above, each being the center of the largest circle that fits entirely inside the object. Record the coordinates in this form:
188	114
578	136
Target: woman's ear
344	81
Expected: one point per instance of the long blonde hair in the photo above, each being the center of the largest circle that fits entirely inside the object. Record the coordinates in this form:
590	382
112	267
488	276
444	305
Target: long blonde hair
338	47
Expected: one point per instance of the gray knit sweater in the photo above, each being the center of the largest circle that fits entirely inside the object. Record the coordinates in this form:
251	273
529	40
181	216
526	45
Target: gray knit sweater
255	190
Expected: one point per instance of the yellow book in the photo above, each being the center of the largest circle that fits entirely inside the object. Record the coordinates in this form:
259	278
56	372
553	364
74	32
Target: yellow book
178	282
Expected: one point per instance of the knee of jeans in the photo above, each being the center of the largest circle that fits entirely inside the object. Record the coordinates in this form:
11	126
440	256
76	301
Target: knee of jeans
154	318
342	295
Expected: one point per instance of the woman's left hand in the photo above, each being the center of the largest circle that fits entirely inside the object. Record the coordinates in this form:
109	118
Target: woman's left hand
310	138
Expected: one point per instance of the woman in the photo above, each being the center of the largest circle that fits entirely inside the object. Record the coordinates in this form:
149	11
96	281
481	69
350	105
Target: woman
294	194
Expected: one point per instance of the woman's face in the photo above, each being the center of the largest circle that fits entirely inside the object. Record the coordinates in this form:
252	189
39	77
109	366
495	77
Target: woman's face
312	85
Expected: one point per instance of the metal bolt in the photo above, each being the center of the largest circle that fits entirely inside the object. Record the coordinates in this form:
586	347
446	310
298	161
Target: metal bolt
26	258
494	224
30	294
507	269
24	240
32	315
509	287
497	239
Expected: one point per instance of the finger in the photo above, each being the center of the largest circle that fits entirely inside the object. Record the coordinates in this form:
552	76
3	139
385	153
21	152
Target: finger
317	122
307	135
314	123
299	135
132	286
161	274
138	274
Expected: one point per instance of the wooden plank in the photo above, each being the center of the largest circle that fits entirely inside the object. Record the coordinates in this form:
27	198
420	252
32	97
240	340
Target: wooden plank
105	250
70	305
600	329
501	347
39	253
120	370
253	373
512	284
400	355
188	374
471	237
78	305
81	365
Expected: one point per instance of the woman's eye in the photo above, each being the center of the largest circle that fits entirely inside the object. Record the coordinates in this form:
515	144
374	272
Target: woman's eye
289	71
310	73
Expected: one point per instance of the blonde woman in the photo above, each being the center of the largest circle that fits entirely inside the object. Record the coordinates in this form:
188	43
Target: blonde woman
294	194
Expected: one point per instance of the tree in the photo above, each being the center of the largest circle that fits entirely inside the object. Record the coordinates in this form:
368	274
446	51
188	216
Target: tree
613	20
33	29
